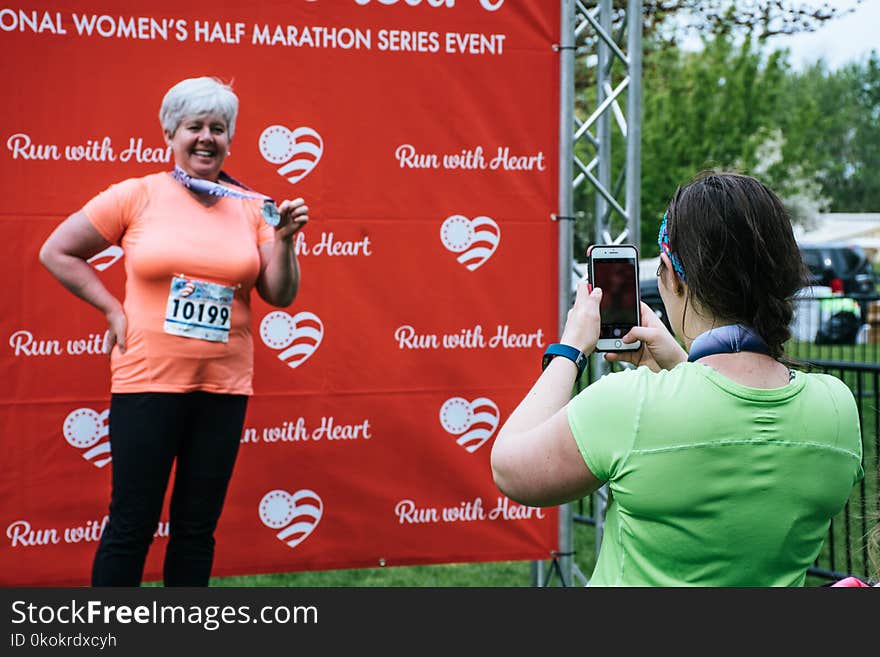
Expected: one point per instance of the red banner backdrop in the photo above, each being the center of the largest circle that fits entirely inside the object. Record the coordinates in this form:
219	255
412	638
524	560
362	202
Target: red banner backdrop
423	135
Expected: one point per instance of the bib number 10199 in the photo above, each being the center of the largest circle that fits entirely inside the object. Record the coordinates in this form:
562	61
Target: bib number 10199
198	309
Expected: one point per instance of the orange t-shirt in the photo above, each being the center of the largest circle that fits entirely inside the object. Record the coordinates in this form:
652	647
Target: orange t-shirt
165	232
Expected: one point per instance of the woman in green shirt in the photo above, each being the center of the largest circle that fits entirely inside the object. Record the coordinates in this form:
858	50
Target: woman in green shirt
725	466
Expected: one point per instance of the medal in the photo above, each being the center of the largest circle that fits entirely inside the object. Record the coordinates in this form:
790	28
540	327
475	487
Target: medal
270	213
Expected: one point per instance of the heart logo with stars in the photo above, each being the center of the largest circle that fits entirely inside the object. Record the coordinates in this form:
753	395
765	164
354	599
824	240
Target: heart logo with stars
298	151
295	515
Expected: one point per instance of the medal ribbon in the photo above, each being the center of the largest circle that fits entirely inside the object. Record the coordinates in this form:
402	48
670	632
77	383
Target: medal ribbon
270	211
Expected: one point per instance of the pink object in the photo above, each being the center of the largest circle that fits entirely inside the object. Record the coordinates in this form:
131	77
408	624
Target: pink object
850	582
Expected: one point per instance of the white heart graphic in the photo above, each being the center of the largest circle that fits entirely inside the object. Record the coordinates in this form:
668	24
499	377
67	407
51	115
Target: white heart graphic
473	422
296	515
475	240
85	428
299	336
106	258
299	150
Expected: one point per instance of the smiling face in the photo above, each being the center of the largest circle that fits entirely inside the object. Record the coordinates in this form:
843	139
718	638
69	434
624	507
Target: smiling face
200	145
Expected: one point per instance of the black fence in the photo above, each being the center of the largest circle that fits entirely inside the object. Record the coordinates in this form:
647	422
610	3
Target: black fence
838	336
845	550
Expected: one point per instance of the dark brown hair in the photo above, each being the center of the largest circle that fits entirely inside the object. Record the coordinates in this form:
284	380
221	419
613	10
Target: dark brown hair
735	242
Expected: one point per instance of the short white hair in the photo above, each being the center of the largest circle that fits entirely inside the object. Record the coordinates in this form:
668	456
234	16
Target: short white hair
198	97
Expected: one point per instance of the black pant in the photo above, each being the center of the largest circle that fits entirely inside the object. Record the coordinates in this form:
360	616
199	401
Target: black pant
148	431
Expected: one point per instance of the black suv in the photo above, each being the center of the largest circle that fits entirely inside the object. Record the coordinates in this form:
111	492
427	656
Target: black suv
842	267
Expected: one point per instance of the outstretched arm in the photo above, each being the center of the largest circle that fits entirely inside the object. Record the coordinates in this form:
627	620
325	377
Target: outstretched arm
535	459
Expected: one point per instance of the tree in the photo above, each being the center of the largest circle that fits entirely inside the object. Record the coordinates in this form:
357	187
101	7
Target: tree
831	119
726	106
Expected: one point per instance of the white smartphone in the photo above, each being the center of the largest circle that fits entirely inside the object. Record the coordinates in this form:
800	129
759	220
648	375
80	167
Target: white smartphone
615	269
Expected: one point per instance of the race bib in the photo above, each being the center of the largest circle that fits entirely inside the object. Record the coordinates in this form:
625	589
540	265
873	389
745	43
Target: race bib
198	309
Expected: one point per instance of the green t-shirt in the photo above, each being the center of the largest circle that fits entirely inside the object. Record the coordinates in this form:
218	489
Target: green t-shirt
715	483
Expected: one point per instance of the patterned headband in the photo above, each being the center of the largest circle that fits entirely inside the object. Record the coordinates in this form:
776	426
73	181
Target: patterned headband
663	243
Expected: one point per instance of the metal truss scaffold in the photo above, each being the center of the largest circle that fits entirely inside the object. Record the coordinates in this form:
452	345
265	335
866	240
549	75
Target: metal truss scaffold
586	27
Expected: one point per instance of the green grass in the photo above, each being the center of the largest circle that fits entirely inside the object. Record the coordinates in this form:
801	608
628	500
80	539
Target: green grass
491	574
494	574
849	353
452	575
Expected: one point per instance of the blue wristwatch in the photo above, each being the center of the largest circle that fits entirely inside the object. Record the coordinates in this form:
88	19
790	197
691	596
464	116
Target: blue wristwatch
578	357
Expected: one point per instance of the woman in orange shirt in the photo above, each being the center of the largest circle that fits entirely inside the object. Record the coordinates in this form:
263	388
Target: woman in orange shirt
196	242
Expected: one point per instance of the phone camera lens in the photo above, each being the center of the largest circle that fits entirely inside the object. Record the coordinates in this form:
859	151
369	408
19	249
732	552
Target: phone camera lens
617	333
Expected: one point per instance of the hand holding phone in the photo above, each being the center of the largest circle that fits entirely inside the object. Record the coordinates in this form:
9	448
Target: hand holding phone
582	324
661	350
615	269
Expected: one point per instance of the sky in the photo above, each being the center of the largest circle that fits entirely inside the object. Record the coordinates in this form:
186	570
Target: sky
839	41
